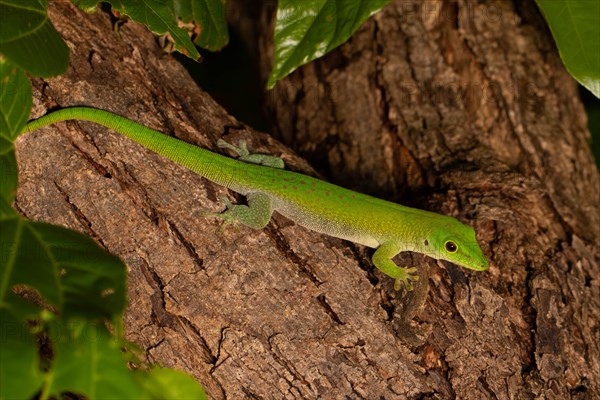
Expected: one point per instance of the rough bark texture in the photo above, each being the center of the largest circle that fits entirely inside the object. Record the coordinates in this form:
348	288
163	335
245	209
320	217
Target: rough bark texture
438	105
464	107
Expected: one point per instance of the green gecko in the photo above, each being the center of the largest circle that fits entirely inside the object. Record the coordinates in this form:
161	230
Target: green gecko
388	227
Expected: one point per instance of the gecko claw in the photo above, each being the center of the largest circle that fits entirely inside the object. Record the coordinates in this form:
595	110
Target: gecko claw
227	219
405	275
241	149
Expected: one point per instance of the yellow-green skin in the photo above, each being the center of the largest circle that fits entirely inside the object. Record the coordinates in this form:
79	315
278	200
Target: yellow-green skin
315	204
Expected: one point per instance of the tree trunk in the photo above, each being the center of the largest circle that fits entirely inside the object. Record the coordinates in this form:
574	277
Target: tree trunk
465	109
286	313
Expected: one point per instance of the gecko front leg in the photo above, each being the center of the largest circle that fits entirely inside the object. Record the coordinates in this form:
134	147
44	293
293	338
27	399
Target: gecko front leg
382	259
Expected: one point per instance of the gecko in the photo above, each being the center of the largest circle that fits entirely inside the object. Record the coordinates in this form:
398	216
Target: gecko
387	227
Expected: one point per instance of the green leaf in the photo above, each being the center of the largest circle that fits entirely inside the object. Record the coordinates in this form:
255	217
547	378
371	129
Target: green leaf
68	269
88	6
20	17
15	106
160	19
28	39
20	376
6	211
89	361
22	262
208	17
20	306
307	29
164	383
8	170
575	25
15	101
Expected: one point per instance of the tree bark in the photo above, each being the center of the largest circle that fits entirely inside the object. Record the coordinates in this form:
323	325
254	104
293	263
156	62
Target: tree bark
465	109
286	313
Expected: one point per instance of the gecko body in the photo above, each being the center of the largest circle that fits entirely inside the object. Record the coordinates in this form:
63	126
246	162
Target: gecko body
321	206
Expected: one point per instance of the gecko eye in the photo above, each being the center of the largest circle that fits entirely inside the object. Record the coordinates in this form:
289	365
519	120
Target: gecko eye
451	247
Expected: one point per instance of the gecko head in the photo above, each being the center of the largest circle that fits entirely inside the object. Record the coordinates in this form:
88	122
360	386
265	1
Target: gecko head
456	242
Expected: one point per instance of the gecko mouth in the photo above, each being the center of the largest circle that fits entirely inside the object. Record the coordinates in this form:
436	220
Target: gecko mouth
478	266
473	263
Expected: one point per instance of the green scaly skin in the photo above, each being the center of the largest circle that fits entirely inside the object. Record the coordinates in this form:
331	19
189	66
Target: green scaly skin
315	204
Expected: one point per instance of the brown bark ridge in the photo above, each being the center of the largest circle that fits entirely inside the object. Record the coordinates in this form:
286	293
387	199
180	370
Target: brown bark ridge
285	313
465	108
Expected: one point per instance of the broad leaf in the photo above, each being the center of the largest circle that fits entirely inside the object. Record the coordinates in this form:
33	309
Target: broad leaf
160	19
88	361
307	29
15	106
20	377
164	383
68	269
8	170
15	100
20	17
208	17
88	6
575	25
6	211
28	39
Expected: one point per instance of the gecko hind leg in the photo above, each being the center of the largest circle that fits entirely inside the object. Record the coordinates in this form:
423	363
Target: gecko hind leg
256	214
244	155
